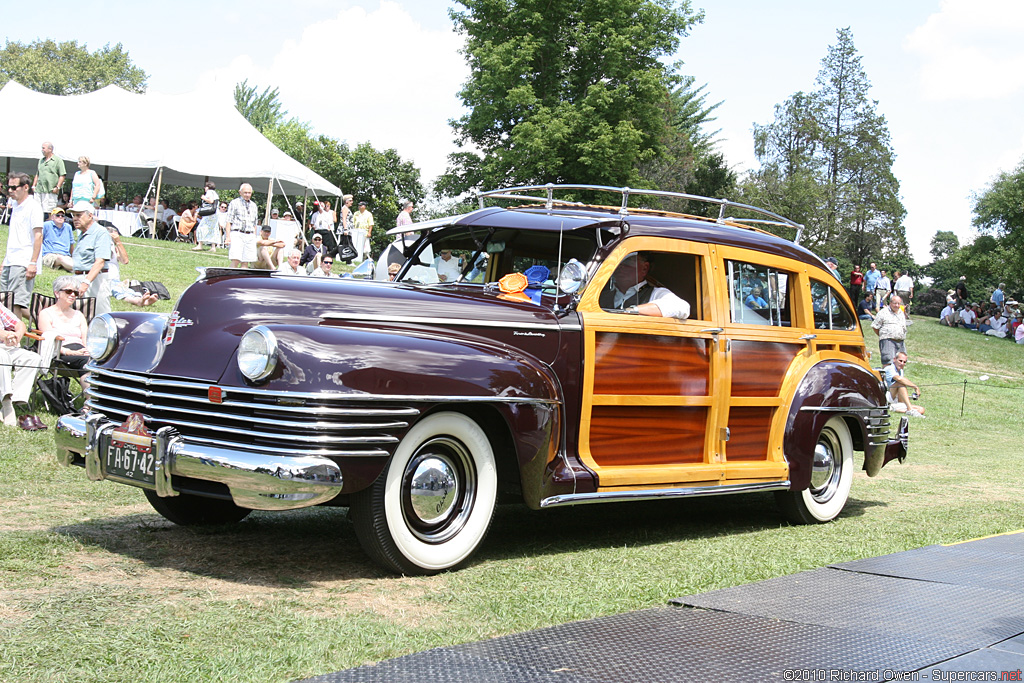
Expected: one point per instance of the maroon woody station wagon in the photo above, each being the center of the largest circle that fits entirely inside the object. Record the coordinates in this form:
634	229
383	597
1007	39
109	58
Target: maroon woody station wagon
554	353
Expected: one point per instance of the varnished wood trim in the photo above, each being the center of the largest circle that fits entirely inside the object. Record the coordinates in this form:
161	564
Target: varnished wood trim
755	401
651	364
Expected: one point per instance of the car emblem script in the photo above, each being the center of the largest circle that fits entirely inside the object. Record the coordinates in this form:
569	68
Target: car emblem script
173	323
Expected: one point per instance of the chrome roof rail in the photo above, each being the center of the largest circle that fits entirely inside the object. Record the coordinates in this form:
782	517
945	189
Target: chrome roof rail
512	193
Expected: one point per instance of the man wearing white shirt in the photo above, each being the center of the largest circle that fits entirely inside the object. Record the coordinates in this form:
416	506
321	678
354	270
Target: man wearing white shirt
291	265
883	288
24	244
632	293
447	266
325	268
904	287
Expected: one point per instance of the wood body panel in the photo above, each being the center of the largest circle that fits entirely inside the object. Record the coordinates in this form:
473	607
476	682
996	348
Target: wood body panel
749	430
758	368
634	364
623	436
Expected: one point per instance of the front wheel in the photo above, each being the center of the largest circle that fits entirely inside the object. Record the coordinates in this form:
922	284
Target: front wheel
831	478
187	510
432	506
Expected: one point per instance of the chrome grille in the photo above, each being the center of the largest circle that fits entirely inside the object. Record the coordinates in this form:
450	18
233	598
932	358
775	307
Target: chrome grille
878	427
251	419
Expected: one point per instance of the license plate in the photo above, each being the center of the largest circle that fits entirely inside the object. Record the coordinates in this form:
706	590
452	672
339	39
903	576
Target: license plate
131	456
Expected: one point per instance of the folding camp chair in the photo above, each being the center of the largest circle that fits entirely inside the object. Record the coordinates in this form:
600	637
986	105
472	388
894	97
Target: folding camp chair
53	384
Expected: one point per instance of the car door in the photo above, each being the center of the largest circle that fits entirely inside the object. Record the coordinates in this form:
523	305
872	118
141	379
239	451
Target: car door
655	389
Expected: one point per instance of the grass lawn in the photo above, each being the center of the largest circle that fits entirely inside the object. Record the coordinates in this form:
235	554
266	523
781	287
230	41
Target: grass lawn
95	586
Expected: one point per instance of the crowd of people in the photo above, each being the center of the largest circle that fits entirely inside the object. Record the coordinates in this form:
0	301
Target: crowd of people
1001	317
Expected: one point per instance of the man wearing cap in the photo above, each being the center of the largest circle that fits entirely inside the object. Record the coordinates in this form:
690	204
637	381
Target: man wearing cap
57	241
24	243
362	226
241	226
313	254
92	253
49	178
269	250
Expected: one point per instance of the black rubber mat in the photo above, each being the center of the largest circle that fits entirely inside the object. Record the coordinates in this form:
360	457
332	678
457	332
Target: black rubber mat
974	617
915	615
963	565
664	645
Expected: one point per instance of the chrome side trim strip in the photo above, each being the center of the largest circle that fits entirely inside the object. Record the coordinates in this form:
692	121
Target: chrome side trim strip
320	395
654	494
370	317
864	409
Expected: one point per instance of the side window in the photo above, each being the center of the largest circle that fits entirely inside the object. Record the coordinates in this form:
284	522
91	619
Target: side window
758	295
830	313
645	274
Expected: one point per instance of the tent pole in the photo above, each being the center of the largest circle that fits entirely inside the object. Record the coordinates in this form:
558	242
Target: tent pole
156	203
305	193
270	196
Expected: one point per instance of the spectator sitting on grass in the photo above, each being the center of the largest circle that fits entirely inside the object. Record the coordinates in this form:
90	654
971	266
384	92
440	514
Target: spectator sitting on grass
969	318
896	381
994	324
948	317
866	306
57	241
118	289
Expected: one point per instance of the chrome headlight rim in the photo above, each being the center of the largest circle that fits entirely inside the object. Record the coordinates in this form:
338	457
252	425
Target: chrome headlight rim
572	277
102	338
270	356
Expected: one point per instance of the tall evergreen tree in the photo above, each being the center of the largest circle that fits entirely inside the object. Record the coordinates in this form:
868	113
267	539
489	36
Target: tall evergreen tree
826	161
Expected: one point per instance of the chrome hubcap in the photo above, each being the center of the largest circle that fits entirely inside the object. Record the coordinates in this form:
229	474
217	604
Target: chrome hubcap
438	489
826	470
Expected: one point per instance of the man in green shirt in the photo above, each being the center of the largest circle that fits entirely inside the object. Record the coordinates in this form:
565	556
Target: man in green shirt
49	179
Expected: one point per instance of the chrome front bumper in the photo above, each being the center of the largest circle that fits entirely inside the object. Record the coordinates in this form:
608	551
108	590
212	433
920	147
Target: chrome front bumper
257	481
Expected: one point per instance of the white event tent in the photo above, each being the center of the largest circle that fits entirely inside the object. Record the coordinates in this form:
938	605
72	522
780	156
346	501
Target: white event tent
128	137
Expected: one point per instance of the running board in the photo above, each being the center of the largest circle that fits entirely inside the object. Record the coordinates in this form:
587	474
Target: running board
654	494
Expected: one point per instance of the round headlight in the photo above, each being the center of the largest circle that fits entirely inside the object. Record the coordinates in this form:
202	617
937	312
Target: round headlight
257	353
572	277
102	337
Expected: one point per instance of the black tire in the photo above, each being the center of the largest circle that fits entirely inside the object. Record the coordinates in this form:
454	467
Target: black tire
432	506
831	478
186	510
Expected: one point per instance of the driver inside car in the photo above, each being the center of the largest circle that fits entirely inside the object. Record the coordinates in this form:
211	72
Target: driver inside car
631	291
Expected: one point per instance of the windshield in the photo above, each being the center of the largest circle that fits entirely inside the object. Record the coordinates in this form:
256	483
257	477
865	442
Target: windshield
482	255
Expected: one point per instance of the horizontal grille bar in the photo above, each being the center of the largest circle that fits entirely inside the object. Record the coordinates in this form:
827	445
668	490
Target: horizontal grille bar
251	419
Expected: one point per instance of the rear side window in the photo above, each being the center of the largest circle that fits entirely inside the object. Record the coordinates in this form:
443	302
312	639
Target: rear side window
830	312
758	295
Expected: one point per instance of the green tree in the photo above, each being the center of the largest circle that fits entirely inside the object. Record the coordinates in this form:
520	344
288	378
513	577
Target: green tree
826	162
68	68
262	109
999	212
564	91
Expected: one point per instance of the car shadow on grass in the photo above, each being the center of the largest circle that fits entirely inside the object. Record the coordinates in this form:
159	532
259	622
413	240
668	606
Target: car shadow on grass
517	531
301	548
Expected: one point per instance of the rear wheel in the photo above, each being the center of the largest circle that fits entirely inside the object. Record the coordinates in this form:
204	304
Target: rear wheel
187	510
831	478
432	506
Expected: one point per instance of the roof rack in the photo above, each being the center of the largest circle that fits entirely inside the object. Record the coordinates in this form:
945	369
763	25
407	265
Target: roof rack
549	202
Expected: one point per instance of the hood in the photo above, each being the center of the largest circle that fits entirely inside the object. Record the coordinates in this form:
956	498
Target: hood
213	314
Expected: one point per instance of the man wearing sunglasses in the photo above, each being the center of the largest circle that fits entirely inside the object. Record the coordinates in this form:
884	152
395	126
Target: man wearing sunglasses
325	268
24	243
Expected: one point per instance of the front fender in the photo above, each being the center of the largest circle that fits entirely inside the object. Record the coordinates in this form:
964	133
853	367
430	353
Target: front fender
832	388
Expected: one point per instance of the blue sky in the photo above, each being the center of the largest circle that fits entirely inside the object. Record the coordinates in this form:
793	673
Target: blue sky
947	74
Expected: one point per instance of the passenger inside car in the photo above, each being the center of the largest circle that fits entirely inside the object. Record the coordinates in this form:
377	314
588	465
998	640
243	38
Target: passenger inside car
632	289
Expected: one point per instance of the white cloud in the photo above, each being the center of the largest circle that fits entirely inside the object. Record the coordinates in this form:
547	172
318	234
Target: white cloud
971	49
365	76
